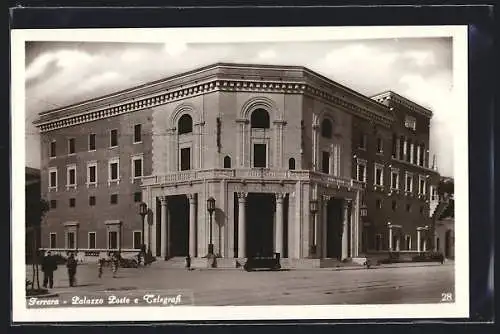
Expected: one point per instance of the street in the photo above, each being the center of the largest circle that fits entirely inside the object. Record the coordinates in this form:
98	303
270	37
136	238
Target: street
424	283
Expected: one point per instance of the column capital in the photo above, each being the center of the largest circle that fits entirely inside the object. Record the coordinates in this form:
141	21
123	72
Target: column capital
163	200
325	198
242	196
192	198
347	202
280	196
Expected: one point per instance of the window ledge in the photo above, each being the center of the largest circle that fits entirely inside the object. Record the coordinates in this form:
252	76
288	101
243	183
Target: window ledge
137	142
71	186
91	184
110	182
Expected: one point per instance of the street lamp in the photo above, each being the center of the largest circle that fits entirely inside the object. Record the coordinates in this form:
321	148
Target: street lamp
143	211
211	209
313	207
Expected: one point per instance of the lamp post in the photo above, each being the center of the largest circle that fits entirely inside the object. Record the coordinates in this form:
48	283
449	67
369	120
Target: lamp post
210	209
143	211
313	207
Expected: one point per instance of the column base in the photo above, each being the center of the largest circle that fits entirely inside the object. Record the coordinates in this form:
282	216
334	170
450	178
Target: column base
313	252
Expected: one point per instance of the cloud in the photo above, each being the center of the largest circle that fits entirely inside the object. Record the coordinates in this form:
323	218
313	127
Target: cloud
106	79
421	58
64	59
267	54
175	49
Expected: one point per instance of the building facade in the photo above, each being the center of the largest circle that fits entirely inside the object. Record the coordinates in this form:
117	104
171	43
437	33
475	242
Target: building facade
275	147
32	213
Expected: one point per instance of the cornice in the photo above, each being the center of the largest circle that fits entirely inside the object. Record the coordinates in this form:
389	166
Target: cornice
215	84
394	97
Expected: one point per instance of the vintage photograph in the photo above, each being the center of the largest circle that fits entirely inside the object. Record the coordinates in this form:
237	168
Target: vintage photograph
220	170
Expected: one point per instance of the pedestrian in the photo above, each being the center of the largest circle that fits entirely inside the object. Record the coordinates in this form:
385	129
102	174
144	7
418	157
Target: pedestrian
49	265
100	265
114	263
71	265
188	262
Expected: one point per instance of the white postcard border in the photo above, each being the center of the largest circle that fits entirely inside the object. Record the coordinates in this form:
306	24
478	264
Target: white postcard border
458	309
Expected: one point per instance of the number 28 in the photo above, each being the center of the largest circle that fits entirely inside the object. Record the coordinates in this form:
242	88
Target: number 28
446	297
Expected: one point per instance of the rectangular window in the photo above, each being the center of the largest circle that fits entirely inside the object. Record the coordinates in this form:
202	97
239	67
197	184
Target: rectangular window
401	147
91	200
53	204
53	152
379	175
185	158
410	122
72	202
92	241
53	178
415	154
422	155
361	171
394	205
394	145
113	170
137	167
113	138
112	239
325	163
433	193
408	242
53	240
114	199
380	145
71	146
92	142
362	141
394	179
409	183
422	185
137	242
71	176
260	155
70	240
137	133
138	196
92	173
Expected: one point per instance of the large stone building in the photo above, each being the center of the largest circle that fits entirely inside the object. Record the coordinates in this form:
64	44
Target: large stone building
297	164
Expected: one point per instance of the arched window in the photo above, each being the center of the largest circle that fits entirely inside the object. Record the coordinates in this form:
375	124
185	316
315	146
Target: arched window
227	162
326	128
260	119
185	124
291	163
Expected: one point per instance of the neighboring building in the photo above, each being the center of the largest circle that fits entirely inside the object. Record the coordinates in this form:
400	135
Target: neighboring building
32	216
444	219
399	194
273	145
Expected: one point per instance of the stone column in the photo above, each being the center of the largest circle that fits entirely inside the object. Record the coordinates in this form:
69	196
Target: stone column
418	240
192	225
411	152
324	223
315	146
390	238
418	155
242	196
278	244
345	228
405	149
163	240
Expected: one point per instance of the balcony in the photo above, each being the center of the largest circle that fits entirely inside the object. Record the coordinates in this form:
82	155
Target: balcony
249	175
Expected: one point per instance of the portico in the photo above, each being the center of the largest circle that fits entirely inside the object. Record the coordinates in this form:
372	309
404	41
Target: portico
253	215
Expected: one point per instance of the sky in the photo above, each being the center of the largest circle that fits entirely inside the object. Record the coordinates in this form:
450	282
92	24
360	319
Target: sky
62	73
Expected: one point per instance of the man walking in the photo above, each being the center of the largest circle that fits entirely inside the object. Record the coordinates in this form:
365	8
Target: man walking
49	265
71	264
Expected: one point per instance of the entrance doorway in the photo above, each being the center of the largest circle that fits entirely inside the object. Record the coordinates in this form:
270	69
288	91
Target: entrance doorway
260	213
334	229
178	207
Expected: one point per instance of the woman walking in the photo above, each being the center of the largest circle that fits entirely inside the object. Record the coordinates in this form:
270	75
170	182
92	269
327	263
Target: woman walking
114	263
